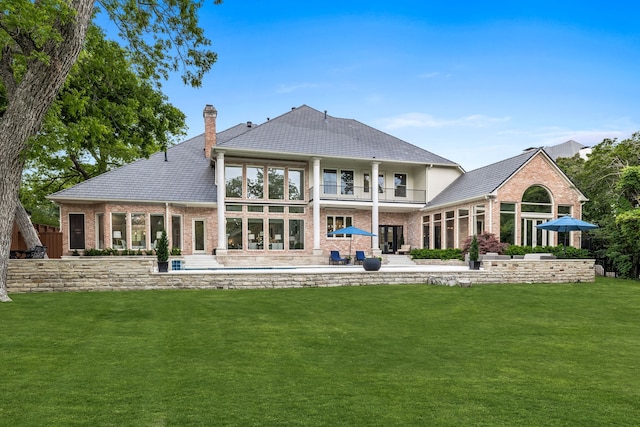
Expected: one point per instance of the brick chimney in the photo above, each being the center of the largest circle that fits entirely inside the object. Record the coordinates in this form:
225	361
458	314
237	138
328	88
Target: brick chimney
209	114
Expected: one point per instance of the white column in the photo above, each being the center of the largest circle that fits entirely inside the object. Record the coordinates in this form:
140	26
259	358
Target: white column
375	245
222	190
317	249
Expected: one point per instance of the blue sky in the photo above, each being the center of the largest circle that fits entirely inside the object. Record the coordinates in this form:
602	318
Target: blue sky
474	82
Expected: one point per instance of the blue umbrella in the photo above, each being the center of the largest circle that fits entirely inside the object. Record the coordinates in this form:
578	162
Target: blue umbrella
565	224
352	231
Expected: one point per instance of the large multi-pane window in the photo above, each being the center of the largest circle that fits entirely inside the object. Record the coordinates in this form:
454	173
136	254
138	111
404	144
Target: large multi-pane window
564	237
276	183
119	230
478	219
536	199
255	182
508	223
400	184
336	222
296	234
233	181
296	184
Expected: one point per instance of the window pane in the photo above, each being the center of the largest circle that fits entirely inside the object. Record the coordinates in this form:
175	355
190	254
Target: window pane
276	233
255	182
176	231
100	230
157	225
296	188
330	181
233	208
256	233
367	182
381	184
296	209
256	208
276	209
400	184
138	231
276	183
296	234
119	231
346	182
507	227
233	181
234	233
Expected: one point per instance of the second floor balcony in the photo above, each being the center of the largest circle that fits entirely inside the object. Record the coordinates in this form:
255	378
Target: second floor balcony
364	194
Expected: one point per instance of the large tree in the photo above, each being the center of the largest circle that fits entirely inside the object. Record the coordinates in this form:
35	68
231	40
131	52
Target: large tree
40	41
104	116
609	178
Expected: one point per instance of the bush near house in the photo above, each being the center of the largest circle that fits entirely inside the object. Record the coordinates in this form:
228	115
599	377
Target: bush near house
444	254
559	251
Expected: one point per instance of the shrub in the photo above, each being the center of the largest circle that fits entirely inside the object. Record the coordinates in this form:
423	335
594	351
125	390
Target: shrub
444	254
175	251
473	249
487	242
162	250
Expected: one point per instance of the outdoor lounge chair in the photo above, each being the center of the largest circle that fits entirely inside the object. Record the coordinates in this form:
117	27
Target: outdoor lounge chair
404	249
336	259
360	257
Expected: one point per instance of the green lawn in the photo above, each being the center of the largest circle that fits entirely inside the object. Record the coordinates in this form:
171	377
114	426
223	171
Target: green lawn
491	355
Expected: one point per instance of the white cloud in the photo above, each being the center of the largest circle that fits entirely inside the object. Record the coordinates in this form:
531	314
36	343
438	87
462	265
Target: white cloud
429	75
421	120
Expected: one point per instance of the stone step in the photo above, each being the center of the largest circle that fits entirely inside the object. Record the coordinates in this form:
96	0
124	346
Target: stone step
196	262
399	260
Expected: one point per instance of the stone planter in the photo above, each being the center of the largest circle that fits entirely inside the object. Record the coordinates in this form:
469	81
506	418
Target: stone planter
371	264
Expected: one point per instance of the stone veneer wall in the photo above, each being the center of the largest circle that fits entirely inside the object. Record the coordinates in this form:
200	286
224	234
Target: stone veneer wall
123	273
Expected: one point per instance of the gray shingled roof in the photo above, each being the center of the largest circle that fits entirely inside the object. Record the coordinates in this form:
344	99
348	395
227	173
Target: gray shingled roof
186	177
566	149
482	181
305	131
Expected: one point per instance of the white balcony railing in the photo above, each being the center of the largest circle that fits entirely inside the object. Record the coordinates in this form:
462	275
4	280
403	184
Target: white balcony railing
363	194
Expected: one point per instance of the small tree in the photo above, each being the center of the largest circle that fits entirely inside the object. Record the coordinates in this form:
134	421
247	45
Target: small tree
473	249
162	251
487	242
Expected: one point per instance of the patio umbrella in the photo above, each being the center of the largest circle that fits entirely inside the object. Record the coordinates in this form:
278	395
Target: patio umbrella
566	224
352	231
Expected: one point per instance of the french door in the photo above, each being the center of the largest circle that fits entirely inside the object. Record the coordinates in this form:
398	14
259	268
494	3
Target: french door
532	235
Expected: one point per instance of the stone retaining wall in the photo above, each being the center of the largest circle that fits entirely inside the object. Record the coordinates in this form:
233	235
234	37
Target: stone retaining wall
121	273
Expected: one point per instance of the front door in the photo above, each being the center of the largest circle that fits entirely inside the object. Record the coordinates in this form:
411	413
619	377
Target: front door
390	238
198	236
532	235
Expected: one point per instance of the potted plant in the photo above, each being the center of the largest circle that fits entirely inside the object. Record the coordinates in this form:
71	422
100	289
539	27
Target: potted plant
372	263
474	263
162	253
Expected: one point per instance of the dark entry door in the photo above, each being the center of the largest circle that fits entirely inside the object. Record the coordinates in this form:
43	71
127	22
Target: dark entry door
390	239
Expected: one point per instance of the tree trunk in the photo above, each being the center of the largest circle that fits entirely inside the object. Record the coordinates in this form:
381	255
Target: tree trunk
26	228
27	104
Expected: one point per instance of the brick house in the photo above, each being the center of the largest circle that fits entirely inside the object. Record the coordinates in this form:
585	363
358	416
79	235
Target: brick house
273	191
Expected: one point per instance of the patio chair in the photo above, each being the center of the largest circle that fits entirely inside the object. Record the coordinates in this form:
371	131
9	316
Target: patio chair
335	258
404	249
360	257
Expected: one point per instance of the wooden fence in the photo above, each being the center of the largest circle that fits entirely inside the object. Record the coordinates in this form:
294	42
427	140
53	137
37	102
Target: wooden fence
51	237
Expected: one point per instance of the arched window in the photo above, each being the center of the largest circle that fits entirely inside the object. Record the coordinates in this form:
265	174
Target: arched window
536	199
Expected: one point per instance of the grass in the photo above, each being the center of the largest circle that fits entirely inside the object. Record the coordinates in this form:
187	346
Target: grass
491	355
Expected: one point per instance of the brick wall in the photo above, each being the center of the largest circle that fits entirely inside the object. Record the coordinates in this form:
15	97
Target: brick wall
137	273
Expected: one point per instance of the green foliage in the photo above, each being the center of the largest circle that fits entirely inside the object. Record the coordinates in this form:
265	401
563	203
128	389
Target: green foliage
176	251
162	250
444	254
473	249
507	355
560	251
104	117
487	242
